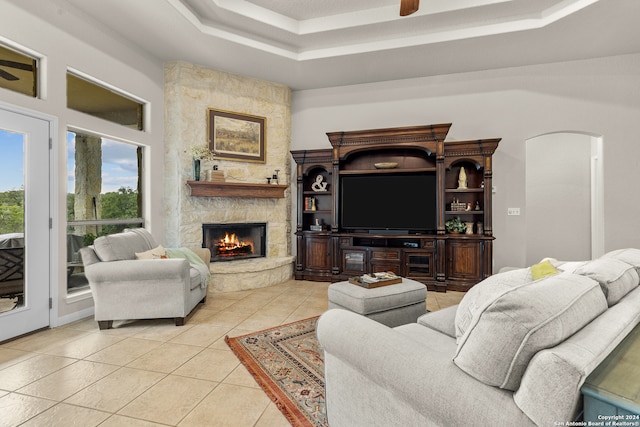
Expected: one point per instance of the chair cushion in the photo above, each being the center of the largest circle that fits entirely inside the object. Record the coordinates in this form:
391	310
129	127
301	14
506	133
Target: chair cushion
616	278
506	332
123	246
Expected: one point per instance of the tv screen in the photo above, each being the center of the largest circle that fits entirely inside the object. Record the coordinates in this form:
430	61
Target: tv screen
388	202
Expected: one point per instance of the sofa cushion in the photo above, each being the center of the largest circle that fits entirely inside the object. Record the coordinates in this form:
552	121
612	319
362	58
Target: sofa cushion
442	320
616	278
508	331
123	246
630	256
487	290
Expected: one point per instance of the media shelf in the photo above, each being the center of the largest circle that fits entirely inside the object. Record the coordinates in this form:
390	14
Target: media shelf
442	261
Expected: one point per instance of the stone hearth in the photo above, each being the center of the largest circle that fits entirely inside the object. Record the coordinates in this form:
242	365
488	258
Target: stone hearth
250	273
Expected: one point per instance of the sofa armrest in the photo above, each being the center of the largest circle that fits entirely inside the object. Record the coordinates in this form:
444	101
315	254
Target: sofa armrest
405	373
138	270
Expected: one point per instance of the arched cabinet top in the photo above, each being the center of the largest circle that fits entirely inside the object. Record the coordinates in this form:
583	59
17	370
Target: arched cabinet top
425	138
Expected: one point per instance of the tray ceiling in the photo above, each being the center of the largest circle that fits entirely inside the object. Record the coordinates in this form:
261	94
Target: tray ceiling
320	43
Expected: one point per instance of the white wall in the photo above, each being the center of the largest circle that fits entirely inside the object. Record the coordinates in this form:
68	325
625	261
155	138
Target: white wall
598	97
87	49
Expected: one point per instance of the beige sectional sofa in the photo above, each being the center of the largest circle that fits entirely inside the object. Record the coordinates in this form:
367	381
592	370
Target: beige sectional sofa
515	351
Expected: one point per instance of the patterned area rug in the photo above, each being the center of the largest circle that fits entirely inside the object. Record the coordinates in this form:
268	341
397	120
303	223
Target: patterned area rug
288	363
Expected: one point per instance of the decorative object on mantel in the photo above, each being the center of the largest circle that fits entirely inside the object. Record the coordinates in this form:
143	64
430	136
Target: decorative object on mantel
198	153
196	169
235	136
215	174
319	185
386	165
462	179
236	189
455	226
274	178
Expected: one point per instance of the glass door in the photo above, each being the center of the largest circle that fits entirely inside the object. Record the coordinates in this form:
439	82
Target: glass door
24	224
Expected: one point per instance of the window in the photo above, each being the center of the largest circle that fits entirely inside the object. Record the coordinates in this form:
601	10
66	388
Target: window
91	98
104	194
18	72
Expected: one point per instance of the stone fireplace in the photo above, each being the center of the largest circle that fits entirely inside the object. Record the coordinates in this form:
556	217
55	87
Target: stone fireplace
190	90
233	242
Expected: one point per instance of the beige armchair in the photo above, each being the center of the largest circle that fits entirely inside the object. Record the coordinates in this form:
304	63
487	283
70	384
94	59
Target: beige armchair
125	287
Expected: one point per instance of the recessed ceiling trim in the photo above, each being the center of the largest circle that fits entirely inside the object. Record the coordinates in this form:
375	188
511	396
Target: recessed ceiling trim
545	18
341	21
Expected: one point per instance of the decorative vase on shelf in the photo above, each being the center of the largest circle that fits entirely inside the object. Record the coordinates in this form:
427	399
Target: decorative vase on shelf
196	169
469	227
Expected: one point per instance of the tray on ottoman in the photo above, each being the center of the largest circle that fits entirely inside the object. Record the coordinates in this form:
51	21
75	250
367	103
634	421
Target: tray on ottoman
375	280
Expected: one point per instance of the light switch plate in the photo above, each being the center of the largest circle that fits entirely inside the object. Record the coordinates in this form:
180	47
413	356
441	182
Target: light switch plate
513	211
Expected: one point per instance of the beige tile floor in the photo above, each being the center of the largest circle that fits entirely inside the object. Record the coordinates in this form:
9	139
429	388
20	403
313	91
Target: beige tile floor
152	373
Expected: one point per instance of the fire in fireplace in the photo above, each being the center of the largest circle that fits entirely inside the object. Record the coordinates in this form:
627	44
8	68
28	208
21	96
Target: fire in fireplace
228	242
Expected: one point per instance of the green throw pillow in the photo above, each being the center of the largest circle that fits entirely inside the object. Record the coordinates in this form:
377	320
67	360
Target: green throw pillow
542	269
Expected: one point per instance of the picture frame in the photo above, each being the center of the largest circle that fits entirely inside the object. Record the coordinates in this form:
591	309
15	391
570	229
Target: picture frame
236	136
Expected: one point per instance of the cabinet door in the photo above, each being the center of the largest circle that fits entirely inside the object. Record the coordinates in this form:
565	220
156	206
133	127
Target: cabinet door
354	261
318	254
418	264
464	260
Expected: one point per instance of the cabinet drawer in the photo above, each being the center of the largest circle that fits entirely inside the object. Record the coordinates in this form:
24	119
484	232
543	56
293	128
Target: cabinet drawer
385	255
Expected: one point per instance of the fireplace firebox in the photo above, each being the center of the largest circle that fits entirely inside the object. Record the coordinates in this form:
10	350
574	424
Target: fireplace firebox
230	242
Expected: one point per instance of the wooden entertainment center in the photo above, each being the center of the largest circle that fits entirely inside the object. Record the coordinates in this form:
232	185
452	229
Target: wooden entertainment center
326	251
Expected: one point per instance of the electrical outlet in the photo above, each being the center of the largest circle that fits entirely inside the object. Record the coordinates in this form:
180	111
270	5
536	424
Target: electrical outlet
513	211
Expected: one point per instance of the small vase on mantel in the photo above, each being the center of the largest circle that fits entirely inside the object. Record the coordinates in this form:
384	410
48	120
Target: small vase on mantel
196	169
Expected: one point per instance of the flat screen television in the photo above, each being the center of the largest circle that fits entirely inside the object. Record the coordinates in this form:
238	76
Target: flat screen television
393	203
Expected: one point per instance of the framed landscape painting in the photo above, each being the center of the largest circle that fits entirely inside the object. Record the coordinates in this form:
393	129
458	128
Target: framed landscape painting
235	136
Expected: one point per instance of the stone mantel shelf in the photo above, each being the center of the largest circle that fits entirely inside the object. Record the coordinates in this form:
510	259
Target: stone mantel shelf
236	189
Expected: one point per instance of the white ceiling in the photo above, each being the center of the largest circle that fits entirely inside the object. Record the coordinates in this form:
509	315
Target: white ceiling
320	43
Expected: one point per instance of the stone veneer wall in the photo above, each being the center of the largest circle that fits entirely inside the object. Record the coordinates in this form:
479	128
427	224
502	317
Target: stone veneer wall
189	91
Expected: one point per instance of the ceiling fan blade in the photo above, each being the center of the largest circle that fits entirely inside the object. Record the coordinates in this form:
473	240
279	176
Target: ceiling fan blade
7	76
17	65
407	7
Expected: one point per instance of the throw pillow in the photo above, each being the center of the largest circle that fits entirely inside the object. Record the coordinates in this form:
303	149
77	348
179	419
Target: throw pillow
508	331
487	290
616	278
543	269
155	253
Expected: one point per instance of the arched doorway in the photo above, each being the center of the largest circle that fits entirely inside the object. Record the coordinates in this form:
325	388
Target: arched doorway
564	199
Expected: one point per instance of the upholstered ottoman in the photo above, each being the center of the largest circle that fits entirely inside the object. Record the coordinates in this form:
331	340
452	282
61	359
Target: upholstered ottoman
391	305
